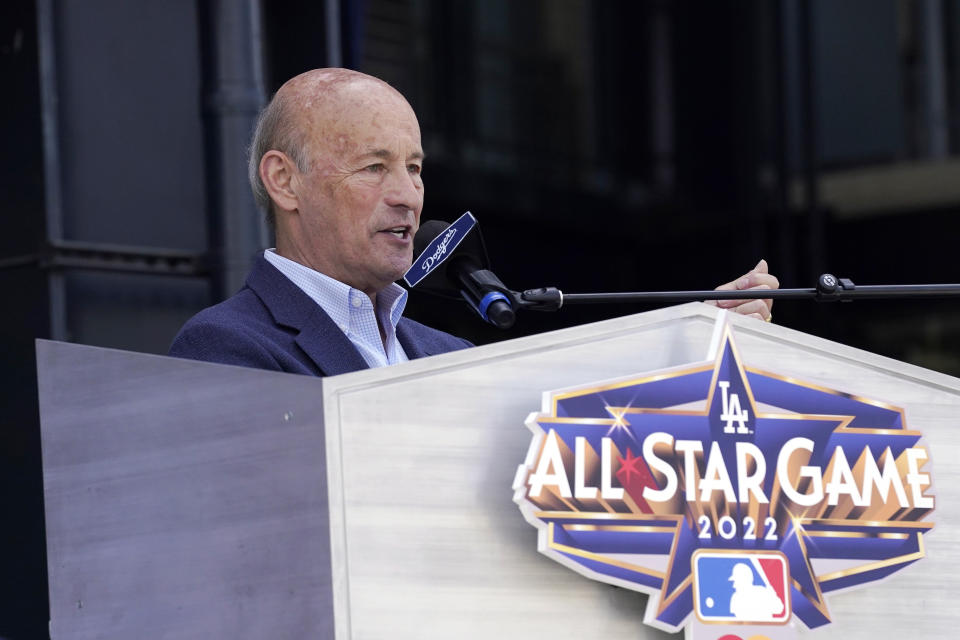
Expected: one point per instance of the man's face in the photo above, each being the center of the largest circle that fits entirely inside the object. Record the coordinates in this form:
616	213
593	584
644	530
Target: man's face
360	201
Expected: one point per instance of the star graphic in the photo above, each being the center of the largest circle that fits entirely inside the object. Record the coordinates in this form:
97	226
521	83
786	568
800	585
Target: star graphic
691	405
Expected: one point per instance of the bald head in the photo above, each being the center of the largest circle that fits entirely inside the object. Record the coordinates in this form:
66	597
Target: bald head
309	107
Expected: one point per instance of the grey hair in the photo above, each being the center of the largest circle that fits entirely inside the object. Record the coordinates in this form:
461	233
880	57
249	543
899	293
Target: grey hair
275	130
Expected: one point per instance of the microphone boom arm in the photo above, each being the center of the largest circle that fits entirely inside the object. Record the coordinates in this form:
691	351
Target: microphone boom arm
829	289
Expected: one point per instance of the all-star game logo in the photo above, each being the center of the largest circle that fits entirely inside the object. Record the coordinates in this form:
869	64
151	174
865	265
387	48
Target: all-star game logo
727	493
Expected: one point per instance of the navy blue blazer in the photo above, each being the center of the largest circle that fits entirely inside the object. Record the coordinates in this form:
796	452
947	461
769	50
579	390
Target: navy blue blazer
272	324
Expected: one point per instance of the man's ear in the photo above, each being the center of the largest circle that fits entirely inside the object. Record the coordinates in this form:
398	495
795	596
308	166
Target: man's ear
279	173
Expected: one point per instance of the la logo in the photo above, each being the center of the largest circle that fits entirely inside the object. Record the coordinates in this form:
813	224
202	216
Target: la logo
732	411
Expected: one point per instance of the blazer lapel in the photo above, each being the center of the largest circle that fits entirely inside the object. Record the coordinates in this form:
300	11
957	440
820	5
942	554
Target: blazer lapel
319	337
325	344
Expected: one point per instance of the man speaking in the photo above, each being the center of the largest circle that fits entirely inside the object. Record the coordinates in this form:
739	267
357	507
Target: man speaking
336	162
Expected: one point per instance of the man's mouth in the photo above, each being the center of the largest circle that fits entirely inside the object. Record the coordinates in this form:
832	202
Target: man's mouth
401	232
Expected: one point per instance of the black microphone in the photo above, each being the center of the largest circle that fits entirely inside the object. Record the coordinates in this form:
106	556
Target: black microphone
451	261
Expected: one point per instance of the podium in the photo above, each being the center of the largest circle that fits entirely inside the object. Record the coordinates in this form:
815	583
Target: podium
193	500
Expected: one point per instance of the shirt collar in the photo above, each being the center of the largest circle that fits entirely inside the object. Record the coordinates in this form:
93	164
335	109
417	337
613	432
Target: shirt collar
336	297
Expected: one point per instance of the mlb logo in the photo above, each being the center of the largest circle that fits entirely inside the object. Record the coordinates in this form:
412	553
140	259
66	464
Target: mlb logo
741	586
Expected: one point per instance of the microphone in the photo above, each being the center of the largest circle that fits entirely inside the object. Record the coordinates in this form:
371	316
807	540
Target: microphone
451	261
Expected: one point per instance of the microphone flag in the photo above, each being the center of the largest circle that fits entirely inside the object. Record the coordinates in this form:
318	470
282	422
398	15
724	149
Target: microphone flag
440	248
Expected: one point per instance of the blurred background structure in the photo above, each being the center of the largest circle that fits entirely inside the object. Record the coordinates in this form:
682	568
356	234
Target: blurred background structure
604	145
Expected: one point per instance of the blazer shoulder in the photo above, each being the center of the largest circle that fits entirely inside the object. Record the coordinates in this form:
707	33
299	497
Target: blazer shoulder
237	331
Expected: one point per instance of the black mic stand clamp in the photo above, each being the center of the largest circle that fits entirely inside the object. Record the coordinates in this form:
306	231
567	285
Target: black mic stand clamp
830	288
542	299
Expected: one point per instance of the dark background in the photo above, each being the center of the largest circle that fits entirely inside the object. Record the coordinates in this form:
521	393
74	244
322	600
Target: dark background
604	146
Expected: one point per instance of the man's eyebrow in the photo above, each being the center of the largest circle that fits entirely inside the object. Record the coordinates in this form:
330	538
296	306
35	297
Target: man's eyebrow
383	154
386	154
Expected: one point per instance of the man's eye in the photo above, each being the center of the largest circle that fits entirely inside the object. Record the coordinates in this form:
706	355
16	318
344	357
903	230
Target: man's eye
374	168
414	168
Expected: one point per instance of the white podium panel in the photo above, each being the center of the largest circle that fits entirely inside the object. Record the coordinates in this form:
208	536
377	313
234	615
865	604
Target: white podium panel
429	451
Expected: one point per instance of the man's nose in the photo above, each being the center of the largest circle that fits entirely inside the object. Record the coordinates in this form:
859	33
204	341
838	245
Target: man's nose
405	190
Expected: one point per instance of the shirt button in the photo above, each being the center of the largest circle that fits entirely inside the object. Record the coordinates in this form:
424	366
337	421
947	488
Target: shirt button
343	328
356	302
